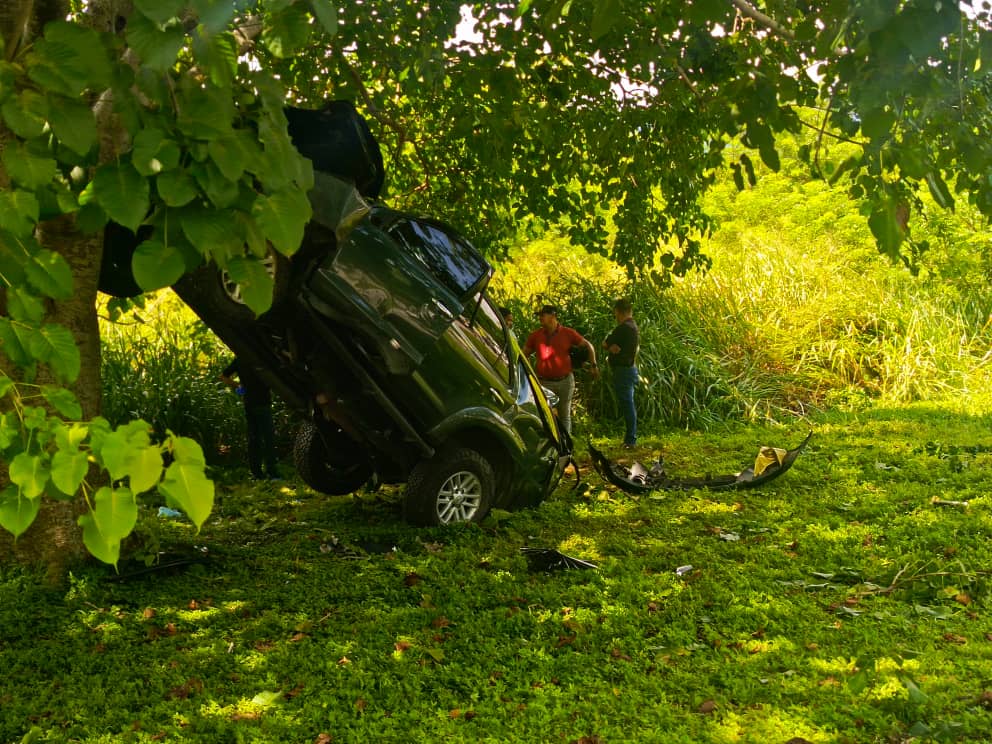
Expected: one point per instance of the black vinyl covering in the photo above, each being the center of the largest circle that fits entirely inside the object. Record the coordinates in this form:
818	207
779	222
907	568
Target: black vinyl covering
640	479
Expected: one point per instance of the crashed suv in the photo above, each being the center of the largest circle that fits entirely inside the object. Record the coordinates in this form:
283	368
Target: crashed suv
382	332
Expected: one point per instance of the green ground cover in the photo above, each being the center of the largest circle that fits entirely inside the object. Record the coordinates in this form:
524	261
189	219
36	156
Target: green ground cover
837	604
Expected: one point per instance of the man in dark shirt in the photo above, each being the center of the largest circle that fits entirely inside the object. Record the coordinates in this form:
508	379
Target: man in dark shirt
258	415
622	345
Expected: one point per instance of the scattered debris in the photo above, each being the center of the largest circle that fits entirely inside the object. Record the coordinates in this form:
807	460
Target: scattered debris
549	559
769	463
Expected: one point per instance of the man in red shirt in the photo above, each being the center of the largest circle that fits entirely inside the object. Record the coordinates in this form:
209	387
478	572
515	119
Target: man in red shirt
551	343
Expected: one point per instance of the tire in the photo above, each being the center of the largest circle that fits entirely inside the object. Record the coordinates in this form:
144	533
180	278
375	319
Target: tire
456	485
116	275
329	463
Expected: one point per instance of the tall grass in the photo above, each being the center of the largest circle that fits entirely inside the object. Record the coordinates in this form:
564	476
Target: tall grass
162	364
798	312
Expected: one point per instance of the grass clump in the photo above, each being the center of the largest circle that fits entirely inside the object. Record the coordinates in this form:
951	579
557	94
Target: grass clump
837	604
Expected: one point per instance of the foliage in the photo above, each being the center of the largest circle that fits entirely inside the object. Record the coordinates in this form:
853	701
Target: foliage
839	603
174	122
161	364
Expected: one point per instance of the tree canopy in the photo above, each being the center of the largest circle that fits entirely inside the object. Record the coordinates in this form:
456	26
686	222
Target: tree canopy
492	114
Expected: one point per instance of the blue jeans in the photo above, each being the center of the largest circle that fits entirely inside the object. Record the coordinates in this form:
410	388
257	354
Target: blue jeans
624	382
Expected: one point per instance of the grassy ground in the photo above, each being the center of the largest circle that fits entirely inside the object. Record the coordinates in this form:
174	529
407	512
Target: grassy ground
837	604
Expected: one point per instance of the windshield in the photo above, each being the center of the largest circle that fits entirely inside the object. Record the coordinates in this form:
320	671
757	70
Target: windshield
450	258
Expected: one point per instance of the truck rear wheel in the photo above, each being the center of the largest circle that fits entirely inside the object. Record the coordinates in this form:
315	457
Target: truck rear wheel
329	462
456	485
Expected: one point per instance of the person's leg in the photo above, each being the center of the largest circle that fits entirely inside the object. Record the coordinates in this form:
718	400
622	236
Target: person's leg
563	410
267	435
624	383
254	443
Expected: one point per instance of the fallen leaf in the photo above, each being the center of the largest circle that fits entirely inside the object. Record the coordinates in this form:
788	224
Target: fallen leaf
402	646
297	637
954	638
963	599
148	613
985	699
360	704
323	738
454	713
440	622
412	579
344	660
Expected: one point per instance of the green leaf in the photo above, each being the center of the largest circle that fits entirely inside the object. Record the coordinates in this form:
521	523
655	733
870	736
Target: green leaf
68	470
24	306
886	230
156	265
877	123
186	486
254	281
156	45
749	169
26	169
229	156
55	346
186	451
122	192
603	18
115	512
214	15
221	191
283	217
218	55
326	13
50	274
30	472
266	698
205	112
176	187
212	232
160	11
154	152
12	345
286	32
145	468
6	385
63	400
26	114
74	124
71	59
17	512
19	212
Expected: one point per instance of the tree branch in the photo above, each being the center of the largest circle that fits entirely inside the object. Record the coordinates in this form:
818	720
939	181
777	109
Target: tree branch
746	9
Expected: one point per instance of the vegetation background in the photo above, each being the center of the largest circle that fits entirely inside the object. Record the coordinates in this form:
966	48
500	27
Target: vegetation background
844	603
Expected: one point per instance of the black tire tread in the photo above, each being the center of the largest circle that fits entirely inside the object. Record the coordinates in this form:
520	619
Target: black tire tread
419	502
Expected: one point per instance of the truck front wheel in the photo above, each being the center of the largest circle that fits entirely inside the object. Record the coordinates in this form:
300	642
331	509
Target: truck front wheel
456	485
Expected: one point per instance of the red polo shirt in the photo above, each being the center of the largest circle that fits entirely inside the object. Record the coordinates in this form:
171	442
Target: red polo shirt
551	350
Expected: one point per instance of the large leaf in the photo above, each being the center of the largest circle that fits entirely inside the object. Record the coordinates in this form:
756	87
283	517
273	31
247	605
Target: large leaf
326	13
71	59
115	512
145	468
205	112
286	32
54	345
220	190
63	400
12	344
154	152
30	472
283	217
604	16
229	155
74	124
254	281
217	53
24	306
19	212
214	15
122	192
17	512
187	451
176	187
187	487
156	265
49	273
26	169
26	114
68	470
157	45
212	232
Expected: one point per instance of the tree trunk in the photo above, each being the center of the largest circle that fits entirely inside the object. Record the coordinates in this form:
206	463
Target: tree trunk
54	541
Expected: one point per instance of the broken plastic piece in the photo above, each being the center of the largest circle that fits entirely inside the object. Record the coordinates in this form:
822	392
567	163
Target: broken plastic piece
549	559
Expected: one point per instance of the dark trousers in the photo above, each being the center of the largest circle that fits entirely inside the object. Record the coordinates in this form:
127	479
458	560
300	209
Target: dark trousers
261	442
624	382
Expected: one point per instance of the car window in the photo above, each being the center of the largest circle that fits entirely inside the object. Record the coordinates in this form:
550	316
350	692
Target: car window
487	334
450	258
